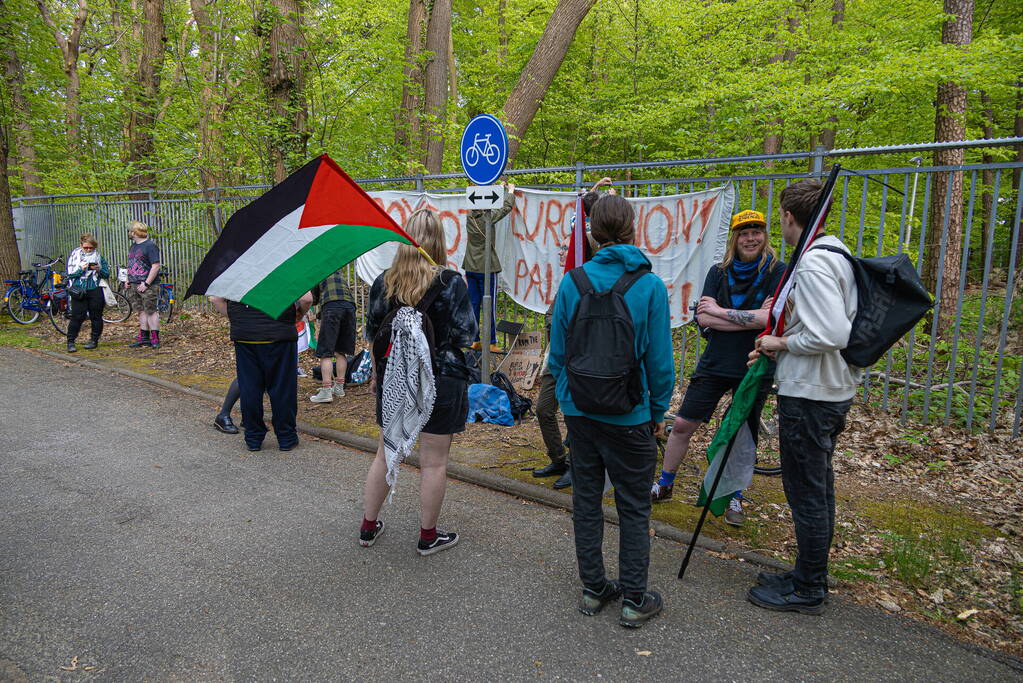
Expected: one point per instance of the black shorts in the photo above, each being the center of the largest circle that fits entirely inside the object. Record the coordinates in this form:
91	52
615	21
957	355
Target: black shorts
337	329
450	408
705	392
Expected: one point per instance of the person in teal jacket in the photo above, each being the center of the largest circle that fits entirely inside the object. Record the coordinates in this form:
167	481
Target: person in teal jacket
623	446
85	268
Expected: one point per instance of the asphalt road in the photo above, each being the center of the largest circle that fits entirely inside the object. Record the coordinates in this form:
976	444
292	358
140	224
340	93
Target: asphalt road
136	538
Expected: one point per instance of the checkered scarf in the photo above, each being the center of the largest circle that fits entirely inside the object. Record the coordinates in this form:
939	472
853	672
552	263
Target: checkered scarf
408	391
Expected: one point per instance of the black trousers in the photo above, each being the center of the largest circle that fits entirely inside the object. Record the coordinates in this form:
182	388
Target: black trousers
807	431
547	416
90	307
628	455
268	368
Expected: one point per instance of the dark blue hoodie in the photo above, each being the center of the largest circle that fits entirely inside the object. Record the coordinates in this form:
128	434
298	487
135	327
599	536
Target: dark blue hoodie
648	302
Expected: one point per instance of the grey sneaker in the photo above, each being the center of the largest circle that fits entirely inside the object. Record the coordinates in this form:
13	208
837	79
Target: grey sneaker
594	601
339	390
324	395
734	514
634	614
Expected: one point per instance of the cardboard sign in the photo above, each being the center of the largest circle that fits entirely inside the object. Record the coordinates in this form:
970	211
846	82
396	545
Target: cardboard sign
524	361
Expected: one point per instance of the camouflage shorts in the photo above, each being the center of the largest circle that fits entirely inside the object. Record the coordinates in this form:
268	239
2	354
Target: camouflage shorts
145	301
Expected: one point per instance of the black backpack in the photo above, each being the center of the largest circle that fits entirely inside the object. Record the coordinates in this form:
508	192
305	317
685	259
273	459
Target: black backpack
891	299
382	339
600	349
520	405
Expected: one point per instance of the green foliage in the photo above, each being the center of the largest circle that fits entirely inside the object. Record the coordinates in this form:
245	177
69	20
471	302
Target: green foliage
642	80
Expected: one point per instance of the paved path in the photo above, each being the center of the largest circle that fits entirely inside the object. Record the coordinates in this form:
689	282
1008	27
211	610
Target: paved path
135	537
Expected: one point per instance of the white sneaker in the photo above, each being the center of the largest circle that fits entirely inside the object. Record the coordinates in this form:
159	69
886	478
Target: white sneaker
339	390
324	395
301	372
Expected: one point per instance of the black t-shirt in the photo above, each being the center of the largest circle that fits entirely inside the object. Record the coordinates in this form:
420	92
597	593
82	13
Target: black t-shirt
726	353
141	258
253	325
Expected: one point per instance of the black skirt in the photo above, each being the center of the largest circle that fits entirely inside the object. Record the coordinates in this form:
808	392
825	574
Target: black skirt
450	408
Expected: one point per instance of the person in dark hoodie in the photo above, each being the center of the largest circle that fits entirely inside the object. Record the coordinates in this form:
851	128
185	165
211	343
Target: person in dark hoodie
622	445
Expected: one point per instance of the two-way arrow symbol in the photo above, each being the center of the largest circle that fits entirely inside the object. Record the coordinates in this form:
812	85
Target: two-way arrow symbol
493	197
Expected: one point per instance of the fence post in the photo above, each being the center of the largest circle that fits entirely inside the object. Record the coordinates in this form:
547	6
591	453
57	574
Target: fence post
578	176
419	183
818	154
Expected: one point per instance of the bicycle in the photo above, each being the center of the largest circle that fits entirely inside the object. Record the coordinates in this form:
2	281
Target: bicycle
60	307
164	303
25	298
488	151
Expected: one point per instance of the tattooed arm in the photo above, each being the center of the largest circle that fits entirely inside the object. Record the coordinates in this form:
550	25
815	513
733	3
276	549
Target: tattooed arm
710	314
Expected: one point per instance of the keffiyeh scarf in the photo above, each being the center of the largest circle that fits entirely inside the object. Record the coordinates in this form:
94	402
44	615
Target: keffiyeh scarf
408	392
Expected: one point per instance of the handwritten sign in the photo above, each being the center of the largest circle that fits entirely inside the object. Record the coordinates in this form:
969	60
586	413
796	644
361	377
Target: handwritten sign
524	361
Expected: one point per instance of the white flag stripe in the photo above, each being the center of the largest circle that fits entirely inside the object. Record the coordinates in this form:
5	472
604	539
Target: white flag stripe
276	246
738	474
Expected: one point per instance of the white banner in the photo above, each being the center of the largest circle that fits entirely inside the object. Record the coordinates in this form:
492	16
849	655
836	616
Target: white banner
683	236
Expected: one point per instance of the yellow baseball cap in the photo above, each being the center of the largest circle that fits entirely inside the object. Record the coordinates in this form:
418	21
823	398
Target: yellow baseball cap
748	218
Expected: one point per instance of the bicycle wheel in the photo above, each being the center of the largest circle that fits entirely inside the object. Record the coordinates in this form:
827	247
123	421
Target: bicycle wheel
16	301
120	311
768	454
59	311
164	306
472	157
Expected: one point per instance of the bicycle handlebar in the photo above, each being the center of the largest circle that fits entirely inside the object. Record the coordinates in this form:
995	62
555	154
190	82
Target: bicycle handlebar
49	263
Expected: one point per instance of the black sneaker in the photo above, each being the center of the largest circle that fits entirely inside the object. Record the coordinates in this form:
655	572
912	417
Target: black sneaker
71	348
225	424
444	540
564	481
91	344
779	600
594	601
368	538
555	469
782	583
634	614
254	449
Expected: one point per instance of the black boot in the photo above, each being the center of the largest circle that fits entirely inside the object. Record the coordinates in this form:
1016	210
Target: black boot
71	348
91	344
565	481
555	469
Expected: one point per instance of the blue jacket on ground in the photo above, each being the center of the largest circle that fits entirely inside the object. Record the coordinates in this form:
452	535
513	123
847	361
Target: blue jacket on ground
647	301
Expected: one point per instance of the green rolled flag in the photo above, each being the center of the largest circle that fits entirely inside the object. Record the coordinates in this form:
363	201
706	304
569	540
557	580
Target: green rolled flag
735	425
278	247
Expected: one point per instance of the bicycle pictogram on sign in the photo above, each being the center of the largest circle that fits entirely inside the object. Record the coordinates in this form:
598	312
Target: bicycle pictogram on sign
484	149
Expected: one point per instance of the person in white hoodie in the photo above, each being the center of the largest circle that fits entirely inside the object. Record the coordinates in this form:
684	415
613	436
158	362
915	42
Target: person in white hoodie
815	390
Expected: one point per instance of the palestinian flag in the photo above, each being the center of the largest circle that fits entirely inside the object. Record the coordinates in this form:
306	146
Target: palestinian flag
281	245
734	447
576	251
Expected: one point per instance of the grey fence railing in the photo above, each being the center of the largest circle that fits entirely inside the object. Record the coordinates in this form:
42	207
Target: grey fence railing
966	373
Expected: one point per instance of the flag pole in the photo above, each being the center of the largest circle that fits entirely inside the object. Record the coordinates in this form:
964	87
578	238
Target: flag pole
706	506
425	255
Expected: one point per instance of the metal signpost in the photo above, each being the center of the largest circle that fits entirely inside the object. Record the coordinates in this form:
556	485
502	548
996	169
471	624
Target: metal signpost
484	153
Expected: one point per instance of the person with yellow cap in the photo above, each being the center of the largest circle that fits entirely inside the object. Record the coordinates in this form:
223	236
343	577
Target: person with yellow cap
732	310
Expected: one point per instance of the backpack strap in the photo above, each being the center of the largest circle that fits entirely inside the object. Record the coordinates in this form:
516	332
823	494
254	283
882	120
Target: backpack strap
628	279
582	281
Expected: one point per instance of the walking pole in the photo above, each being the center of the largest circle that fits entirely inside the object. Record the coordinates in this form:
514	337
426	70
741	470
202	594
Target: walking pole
706	507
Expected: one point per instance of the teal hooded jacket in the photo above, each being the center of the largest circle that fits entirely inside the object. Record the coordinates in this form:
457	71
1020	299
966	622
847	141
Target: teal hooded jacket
647	301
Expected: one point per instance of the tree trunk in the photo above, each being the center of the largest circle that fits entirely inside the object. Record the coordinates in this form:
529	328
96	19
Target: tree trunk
211	107
69	48
279	25
141	147
538	74
949	124
435	94
978	250
10	260
406	129
22	129
828	135
773	139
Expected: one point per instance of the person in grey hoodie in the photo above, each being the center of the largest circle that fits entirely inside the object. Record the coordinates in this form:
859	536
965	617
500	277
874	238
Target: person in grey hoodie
815	390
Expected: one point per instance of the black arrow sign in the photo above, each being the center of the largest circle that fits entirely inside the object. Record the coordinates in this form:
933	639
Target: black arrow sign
473	197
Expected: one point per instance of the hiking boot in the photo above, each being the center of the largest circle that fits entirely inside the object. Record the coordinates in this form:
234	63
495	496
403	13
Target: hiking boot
494	348
154	340
142	339
324	395
91	344
444	540
594	601
661	494
555	469
782	583
338	390
565	481
368	538
71	348
734	514
224	424
778	599
477	346
635	614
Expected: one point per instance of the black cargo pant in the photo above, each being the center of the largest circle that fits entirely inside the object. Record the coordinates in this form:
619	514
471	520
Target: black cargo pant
807	431
628	455
547	416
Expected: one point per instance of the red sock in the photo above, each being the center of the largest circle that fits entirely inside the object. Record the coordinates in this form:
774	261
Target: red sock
428	535
368	525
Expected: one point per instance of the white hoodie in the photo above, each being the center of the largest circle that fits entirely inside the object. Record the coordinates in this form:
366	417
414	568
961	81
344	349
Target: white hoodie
819	317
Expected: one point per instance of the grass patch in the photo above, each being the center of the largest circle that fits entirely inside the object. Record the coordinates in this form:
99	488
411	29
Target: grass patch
855	569
19	336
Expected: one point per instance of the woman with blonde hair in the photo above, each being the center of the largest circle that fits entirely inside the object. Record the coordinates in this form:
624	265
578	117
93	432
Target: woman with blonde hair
85	268
732	311
442	298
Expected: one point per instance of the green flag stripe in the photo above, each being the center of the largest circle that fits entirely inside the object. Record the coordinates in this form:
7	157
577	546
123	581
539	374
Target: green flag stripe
312	263
737	414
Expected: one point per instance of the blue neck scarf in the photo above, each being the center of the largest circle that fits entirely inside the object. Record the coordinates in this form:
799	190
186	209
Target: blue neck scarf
743	278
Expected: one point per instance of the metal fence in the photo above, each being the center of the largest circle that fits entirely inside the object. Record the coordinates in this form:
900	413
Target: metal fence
966	373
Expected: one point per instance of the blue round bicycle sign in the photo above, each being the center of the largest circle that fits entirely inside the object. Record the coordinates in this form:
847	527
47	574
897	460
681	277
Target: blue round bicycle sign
484	149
